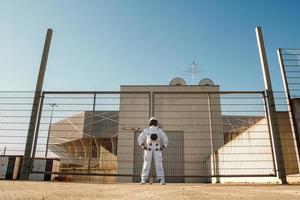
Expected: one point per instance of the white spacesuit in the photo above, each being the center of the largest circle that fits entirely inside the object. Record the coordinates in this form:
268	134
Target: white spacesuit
153	140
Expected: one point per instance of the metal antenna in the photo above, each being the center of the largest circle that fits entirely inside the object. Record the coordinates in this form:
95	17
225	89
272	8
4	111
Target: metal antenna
194	70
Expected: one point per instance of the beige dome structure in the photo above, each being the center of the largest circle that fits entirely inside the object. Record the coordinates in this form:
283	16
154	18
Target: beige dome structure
177	81
206	82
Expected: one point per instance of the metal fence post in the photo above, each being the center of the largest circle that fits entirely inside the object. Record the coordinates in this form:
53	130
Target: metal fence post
34	112
214	154
91	136
270	135
271	106
36	135
151	178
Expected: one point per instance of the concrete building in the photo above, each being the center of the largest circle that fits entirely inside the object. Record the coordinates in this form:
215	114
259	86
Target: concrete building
193	124
86	143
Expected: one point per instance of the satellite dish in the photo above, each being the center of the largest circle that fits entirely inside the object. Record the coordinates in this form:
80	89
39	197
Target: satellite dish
177	81
206	82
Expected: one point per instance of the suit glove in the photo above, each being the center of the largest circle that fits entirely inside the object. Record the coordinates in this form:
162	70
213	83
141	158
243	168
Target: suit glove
162	147
143	146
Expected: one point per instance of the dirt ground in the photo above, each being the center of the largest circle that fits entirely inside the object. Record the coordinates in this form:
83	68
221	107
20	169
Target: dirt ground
59	190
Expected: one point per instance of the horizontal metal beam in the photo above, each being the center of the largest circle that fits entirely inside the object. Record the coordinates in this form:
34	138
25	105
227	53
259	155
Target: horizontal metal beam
133	175
96	92
147	92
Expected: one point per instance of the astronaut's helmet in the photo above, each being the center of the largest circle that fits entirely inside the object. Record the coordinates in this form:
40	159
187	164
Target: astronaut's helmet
153	121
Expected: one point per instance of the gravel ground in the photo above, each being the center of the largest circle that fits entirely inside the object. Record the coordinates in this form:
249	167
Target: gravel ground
60	190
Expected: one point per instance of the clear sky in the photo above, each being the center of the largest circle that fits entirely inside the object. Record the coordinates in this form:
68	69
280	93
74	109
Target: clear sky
100	45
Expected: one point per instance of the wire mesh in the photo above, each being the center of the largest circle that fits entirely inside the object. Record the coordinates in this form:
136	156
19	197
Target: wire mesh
291	62
15	110
211	134
224	134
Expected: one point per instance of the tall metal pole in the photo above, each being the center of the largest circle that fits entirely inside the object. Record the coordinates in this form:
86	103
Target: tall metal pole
53	105
271	106
34	112
290	107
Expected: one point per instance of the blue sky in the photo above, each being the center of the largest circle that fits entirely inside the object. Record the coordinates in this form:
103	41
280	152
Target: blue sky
100	45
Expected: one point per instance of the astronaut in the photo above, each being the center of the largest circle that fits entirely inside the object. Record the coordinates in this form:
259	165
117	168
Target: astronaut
153	140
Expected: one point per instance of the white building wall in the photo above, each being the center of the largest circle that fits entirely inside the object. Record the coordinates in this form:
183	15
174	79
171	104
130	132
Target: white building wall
250	153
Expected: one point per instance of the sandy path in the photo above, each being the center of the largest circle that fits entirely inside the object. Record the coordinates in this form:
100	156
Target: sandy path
54	190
